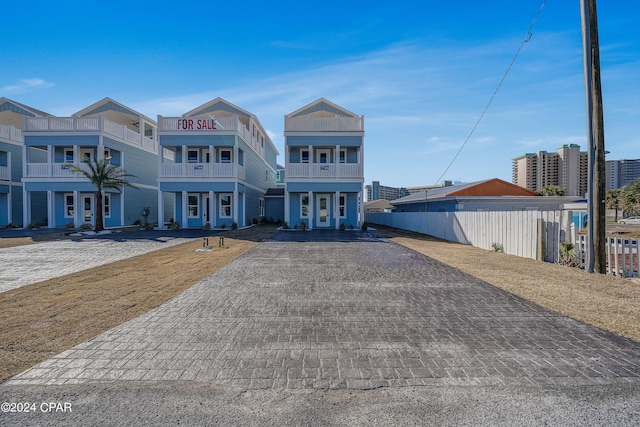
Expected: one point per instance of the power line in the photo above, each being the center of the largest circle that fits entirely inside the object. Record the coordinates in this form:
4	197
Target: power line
527	37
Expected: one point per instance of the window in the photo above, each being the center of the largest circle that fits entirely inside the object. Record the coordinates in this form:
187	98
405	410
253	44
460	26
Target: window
225	156
193	203
260	207
323	157
68	155
342	204
343	156
207	157
304	206
304	156
192	156
106	204
225	206
68	206
86	155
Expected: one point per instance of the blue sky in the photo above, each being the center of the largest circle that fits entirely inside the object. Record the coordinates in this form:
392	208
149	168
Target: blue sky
421	72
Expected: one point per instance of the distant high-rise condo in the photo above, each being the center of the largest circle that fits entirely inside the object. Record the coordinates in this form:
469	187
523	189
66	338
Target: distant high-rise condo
567	169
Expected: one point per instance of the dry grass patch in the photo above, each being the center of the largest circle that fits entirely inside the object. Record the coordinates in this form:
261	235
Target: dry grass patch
46	318
608	302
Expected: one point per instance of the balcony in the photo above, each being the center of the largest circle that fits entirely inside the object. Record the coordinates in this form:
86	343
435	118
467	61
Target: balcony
5	174
88	124
324	124
324	170
10	133
209	125
54	170
202	170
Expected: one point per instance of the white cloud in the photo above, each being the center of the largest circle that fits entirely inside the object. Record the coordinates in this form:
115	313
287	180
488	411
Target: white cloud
25	86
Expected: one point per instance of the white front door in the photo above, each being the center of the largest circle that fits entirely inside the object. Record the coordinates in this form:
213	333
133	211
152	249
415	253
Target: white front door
323	210
87	209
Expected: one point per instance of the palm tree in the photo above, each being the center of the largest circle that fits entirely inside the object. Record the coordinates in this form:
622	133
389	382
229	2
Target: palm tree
103	175
630	198
552	190
613	201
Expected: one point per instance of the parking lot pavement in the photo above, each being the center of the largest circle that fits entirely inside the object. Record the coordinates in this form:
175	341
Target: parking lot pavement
359	313
27	264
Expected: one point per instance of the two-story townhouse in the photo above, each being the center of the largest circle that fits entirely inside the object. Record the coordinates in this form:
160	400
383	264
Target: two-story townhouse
215	165
324	172
11	141
106	129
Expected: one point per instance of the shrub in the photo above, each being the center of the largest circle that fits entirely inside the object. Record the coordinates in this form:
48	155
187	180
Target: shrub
234	226
497	247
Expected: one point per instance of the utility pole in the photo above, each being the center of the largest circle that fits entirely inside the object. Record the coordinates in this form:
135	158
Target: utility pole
596	213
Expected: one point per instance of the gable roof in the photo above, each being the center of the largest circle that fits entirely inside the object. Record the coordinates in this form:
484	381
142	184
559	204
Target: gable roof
12	112
322	104
108	104
218	104
494	187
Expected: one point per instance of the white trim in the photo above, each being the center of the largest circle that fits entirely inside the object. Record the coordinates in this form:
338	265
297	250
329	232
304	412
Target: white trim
327	209
66	206
105	197
302	215
221	207
197	205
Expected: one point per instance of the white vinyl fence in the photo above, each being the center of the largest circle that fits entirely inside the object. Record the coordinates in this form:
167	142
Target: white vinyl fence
621	255
529	234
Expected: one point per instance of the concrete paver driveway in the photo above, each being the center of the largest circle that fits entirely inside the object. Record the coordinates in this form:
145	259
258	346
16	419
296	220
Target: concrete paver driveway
350	310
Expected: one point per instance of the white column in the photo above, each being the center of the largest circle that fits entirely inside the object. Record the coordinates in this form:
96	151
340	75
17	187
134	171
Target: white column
235	163
160	209
185	159
336	209
337	162
185	211
244	208
212	160
235	204
77	219
100	153
76	155
160	160
361	207
51	212
311	158
26	207
311	212
10	194
212	212
287	216
24	161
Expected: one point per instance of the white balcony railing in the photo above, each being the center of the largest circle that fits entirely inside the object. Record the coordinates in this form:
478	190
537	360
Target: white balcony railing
324	170
324	124
202	170
227	123
10	133
66	124
4	173
57	170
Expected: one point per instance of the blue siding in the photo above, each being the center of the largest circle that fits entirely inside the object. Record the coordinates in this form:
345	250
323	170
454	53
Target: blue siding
85	187
4	207
61	140
343	141
320	187
197	140
274	209
197	187
38	208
